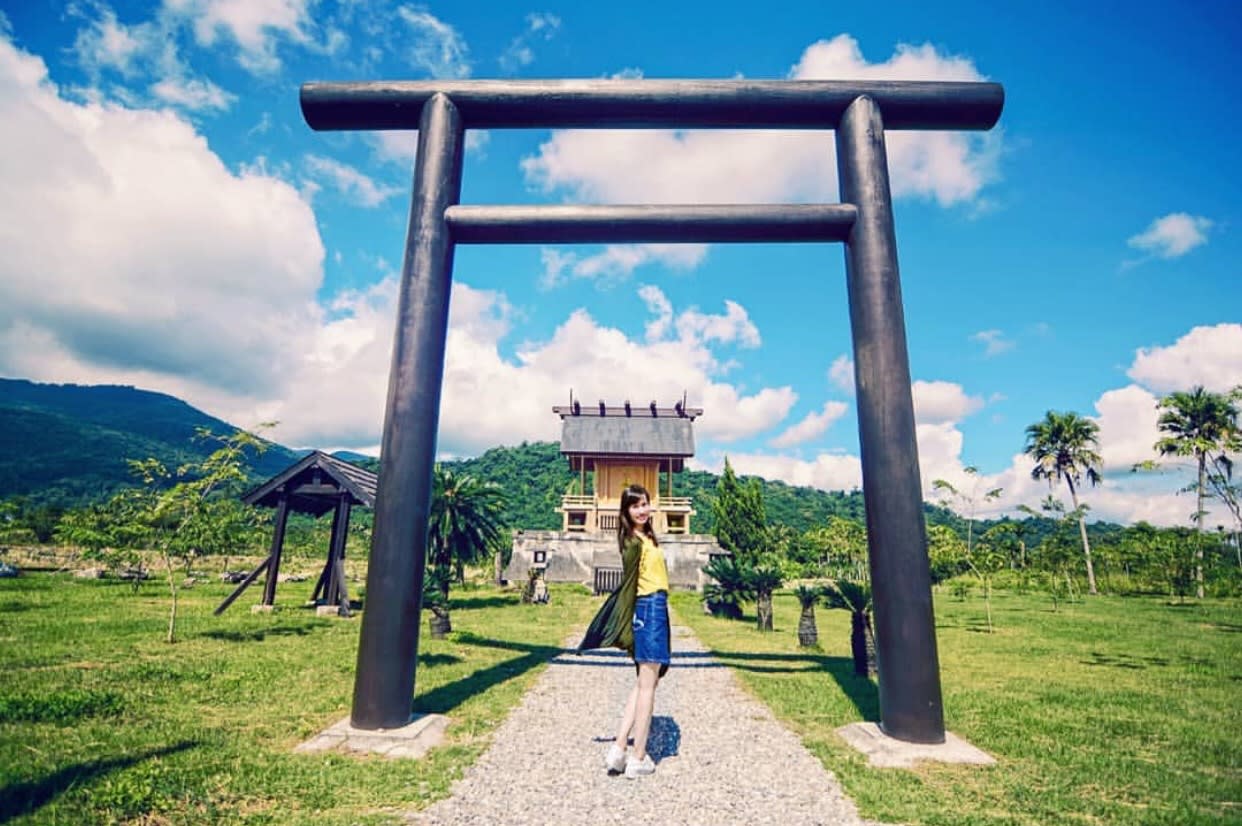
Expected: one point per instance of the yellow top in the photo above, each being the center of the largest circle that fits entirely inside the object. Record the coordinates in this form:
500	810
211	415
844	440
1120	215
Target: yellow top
652	573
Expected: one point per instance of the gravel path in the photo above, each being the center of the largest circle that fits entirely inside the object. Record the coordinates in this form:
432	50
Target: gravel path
721	756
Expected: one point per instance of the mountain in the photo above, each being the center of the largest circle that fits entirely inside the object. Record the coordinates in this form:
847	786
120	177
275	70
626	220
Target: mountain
68	444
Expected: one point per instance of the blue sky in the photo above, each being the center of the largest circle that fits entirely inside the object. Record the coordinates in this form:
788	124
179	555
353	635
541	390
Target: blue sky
170	222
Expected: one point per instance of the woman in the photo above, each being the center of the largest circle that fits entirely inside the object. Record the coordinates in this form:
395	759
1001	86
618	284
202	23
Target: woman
635	619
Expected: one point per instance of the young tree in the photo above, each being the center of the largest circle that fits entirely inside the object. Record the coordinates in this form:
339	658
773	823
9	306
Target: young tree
763	580
177	505
729	588
808	632
1204	426
967	500
946	553
463	529
741	525
855	597
842	547
1064	447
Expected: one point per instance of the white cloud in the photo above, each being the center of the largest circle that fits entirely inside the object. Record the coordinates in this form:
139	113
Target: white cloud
942	402
1127	419
713	166
811	427
827	471
352	183
994	342
617	261
1173	235
437	47
193	94
1207	356
147	50
841	374
255	25
107	43
115	272
539	28
113	261
400	146
658	304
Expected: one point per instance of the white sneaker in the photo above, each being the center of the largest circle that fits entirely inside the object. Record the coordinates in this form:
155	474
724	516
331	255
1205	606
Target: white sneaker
639	768
614	760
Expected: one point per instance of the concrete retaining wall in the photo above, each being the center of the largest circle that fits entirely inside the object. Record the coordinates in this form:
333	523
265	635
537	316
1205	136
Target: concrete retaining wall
573	557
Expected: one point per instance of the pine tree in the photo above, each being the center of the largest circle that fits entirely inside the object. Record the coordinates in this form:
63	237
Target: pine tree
740	521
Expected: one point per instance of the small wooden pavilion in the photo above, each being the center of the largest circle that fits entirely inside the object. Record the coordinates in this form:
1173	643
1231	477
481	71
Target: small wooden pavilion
613	447
316	484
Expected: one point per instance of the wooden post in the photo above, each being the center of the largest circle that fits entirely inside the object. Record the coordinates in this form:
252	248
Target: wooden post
278	544
336	551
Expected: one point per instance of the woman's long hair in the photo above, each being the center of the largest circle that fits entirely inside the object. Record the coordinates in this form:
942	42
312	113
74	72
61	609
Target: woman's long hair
625	526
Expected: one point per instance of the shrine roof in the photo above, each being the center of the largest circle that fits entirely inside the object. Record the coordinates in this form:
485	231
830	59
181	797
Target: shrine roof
642	431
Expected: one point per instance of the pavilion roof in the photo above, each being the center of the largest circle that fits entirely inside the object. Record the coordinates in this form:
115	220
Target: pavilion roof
314	485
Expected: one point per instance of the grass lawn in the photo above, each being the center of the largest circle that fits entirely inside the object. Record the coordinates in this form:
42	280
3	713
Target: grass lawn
103	722
1107	711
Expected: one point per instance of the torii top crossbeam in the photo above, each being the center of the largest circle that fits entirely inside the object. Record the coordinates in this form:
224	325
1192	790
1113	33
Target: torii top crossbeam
652	104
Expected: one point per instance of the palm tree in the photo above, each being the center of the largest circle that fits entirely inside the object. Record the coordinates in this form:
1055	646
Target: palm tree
763	581
464	527
729	588
1203	425
1064	446
808	633
855	597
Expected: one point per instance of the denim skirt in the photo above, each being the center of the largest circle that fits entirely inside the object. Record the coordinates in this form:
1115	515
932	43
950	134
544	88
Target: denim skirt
651	634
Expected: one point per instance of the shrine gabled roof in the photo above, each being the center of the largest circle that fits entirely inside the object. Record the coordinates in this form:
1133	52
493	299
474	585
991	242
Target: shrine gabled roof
314	485
637	435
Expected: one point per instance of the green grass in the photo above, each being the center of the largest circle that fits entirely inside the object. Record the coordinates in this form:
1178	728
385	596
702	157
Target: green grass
1108	711
103	722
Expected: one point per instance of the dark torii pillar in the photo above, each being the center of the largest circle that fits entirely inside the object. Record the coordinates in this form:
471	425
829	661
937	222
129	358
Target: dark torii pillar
388	646
900	576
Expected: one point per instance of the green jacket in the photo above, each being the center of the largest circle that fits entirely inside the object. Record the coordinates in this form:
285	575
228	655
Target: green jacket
613	623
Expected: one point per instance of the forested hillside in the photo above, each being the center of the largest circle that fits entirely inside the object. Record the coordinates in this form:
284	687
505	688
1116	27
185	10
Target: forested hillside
534	476
69	444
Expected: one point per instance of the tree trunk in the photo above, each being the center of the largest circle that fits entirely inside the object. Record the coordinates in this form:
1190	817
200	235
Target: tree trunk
763	608
808	633
1199	527
497	570
172	611
862	643
439	624
1086	546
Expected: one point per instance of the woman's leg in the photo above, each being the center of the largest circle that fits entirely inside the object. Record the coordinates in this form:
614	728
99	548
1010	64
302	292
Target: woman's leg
627	719
644	704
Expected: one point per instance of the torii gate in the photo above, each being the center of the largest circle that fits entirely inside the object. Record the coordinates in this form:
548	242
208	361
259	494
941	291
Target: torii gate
858	112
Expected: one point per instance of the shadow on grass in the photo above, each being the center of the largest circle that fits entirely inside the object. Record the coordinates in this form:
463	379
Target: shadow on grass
1124	661
258	634
861	691
437	659
467	603
25	798
443	699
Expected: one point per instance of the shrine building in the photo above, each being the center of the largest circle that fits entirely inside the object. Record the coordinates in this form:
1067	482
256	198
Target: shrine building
610	448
